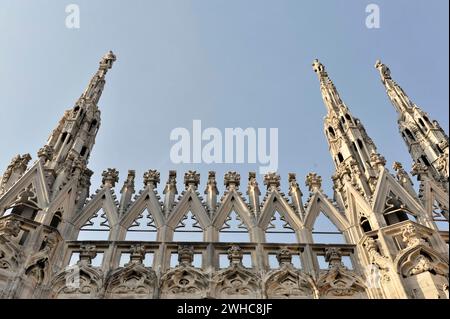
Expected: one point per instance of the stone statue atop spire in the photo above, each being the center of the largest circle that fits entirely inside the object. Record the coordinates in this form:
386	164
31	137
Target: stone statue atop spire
385	72
95	87
319	68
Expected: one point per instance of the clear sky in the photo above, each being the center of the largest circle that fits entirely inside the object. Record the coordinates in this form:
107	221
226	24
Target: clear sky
227	63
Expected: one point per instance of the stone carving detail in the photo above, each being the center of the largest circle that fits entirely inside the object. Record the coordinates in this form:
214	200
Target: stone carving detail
338	281
288	282
14	170
402	175
212	183
419	259
236	281
9	228
151	178
314	182
411	237
45	153
377	160
420	170
129	182
34	254
110	177
232	179
375	257
272	180
385	73
80	281
87	253
184	281
38	266
134	279
191	178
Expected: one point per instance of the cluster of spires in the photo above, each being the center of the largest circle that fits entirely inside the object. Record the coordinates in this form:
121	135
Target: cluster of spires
355	155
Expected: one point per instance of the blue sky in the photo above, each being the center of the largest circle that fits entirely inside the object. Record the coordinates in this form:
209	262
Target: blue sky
228	63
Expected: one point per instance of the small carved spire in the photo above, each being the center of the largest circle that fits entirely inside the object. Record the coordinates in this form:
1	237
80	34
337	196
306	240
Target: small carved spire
295	193
403	178
191	178
170	191
110	177
211	185
185	255
377	160
411	237
253	193
45	153
235	255
95	87
137	254
129	182
151	178
211	192
127	191
14	171
10	228
421	171
314	182
232	179
87	253
284	257
333	257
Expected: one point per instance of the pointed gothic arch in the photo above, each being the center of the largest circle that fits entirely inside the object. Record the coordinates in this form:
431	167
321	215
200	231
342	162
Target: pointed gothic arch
334	223
143	228
233	212
279	230
234	229
96	228
188	229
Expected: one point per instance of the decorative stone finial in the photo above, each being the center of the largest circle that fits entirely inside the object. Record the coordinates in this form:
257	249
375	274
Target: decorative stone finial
293	185
272	180
185	255
45	153
252	179
137	254
129	182
211	185
110	177
151	178
419	169
333	256
87	253
377	160
231	179
284	257
313	181
397	166
410	236
10	227
235	255
191	178
171	184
